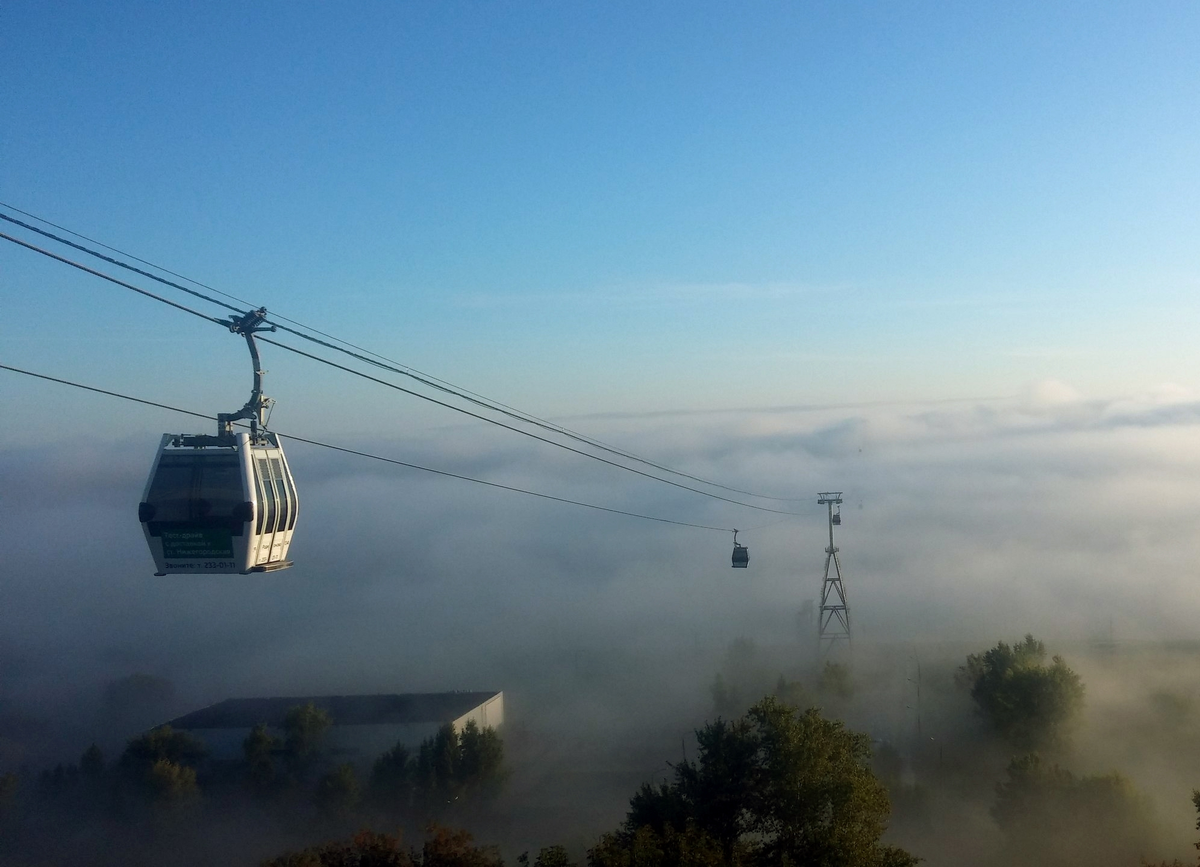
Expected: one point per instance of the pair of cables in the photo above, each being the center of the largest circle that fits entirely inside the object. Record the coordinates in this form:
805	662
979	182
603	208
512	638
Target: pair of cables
363	454
380	363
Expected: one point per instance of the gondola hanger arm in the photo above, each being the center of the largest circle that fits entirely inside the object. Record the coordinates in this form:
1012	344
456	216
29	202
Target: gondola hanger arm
247	325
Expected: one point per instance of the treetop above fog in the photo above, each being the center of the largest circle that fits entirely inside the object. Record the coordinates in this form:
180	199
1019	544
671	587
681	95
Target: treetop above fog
1032	705
776	786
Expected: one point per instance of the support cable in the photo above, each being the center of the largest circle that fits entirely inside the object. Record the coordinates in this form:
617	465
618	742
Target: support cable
122	283
375	457
121	264
392	385
401	388
363	354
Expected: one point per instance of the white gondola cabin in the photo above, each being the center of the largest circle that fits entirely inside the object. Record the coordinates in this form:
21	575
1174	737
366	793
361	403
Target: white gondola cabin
219	505
224	504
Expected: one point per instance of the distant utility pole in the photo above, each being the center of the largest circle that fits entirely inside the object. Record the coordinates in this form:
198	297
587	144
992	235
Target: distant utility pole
833	626
918	685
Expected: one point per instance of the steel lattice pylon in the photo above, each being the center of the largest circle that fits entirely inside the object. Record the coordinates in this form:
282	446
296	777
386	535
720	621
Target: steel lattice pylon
833	624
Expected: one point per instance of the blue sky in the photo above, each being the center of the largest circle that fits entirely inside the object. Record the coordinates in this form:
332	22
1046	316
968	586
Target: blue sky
618	207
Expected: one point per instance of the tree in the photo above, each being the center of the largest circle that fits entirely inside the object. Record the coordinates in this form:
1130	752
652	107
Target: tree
667	848
437	769
659	809
1032	705
305	727
818	802
365	849
777	786
258	752
171	783
726	701
552	856
481	760
91	775
58	781
338	792
791	693
91	763
1196	804
742	675
9	783
1176	862
453	766
445	847
835	682
160	761
717	790
162	743
392	777
1050	816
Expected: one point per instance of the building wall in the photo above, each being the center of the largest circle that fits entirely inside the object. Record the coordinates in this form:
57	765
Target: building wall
489	714
223	744
359	744
362	744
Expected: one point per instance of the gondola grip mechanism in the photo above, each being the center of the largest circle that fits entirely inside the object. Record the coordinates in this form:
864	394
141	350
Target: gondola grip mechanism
247	325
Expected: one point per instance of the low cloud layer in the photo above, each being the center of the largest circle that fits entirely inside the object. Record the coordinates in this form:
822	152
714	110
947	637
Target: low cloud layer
963	522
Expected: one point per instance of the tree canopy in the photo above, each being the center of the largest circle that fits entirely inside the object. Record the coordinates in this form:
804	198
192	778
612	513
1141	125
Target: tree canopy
258	751
1050	816
443	847
835	682
91	763
161	763
338	792
9	783
171	783
776	786
1032	705
161	744
450	767
305	727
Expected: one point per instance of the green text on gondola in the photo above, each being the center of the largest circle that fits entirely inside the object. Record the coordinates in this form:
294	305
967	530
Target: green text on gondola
193	544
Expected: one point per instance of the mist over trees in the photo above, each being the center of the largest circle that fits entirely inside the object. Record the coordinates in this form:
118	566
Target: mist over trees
1030	704
782	782
603	693
305	727
161	765
165	785
258	754
776	786
793	777
1050	816
448	768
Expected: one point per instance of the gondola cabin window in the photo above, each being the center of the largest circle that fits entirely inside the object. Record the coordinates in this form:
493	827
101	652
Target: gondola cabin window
287	511
267	522
196	487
